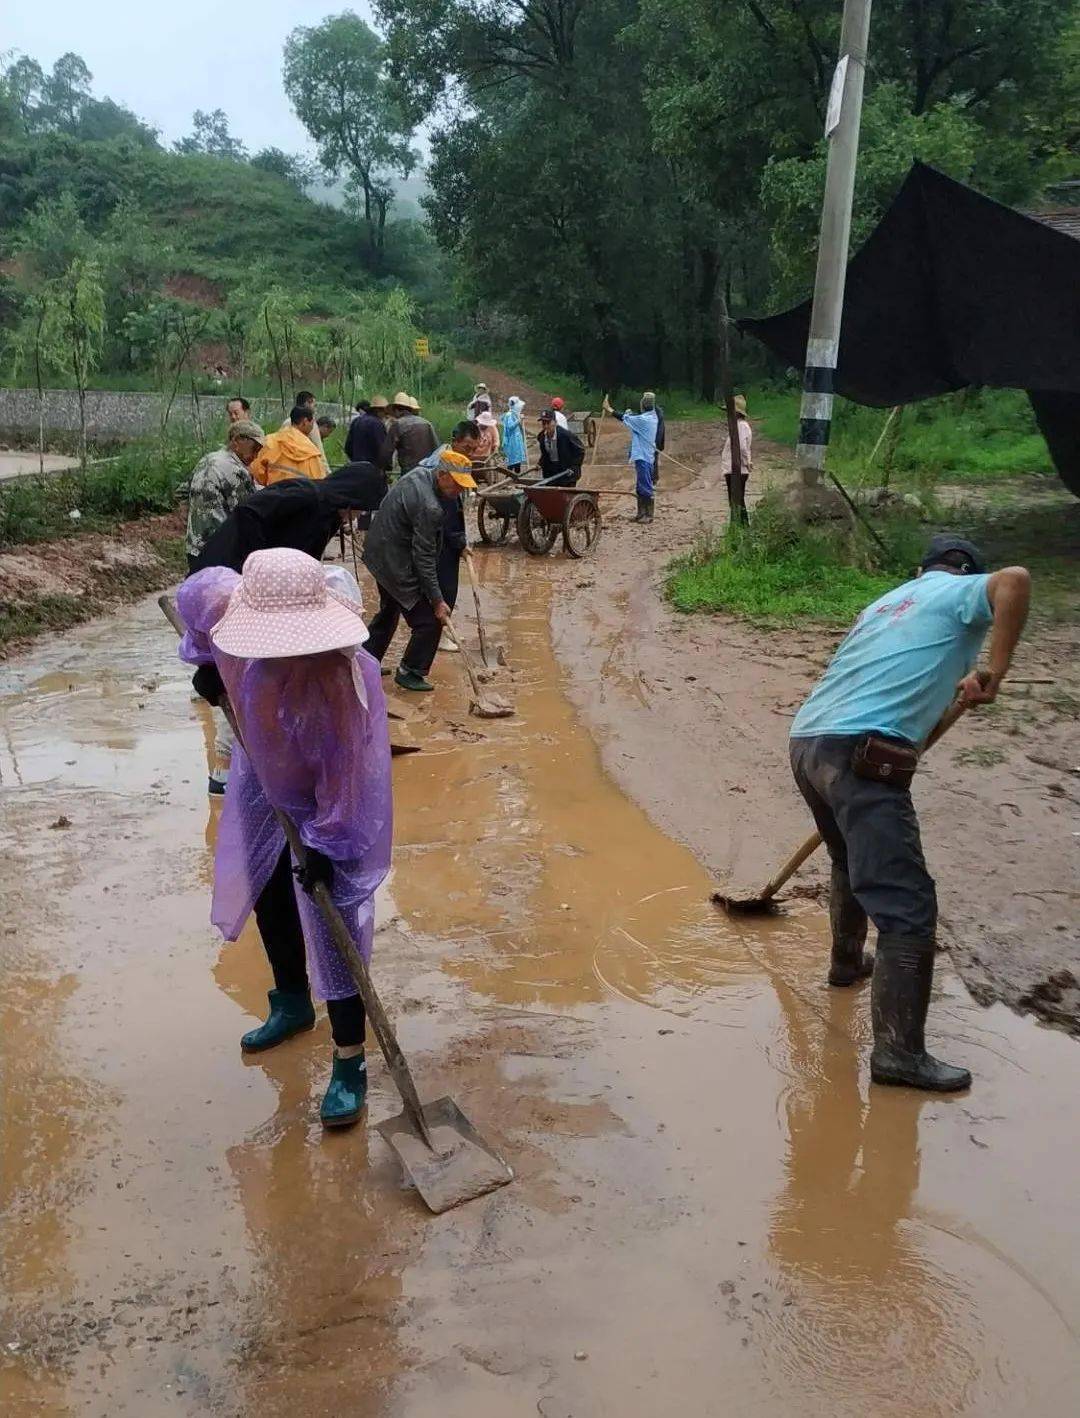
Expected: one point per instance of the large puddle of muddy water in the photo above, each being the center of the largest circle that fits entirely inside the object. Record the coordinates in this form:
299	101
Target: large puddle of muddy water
714	1213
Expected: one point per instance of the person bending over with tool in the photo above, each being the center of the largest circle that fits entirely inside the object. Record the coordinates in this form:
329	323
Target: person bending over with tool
643	431
465	439
300	512
402	553
561	452
854	746
284	643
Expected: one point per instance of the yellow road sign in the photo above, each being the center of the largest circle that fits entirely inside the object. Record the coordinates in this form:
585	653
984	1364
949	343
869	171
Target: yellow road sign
422	348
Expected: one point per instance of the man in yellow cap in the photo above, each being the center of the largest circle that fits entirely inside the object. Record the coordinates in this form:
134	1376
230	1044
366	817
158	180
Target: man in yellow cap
402	553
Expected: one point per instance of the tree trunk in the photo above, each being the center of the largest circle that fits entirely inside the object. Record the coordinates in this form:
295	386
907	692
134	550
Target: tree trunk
710	271
276	357
40	390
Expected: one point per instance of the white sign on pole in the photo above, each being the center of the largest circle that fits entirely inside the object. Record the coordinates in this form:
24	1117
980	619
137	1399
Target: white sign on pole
836	98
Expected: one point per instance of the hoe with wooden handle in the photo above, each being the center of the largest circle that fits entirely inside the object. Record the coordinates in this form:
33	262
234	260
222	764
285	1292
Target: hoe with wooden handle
764	900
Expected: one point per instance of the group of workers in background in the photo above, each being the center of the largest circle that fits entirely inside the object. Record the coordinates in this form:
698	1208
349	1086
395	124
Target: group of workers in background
414	557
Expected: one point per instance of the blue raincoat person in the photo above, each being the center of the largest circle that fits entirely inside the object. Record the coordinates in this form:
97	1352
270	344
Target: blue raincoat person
513	435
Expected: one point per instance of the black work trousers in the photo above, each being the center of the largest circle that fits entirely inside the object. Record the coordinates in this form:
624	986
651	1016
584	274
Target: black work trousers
448	568
872	834
424	640
283	939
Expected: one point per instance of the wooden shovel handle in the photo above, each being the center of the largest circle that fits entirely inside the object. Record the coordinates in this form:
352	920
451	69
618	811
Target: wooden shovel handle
480	631
810	846
466	659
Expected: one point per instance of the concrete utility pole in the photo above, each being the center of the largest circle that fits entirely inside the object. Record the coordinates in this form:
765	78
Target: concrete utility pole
842	131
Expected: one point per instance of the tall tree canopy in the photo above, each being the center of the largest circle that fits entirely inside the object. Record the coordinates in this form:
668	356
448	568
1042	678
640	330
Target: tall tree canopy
336	80
608	168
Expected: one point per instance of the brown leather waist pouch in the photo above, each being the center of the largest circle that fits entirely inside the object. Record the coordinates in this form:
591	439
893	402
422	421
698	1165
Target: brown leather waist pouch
885	761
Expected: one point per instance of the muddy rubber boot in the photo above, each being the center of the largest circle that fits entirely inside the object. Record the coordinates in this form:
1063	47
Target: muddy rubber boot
640	509
647	512
344	1099
289	1014
903	974
849	963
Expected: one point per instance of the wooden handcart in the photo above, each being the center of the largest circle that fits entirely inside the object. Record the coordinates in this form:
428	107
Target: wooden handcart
540	510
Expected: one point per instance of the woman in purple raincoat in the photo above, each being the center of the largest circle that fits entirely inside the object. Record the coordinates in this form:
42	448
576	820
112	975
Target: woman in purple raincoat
284	645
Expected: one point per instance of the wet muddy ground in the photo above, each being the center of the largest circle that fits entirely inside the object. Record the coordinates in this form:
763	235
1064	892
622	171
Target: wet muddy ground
714	1213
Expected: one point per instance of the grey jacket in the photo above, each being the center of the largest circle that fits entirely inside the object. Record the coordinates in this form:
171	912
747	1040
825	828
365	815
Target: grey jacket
401	550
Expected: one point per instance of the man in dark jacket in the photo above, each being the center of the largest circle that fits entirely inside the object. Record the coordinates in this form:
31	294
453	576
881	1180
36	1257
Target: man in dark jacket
464	439
366	436
411	437
561	452
402	553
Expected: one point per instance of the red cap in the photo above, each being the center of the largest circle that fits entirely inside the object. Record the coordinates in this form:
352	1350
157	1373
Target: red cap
556	403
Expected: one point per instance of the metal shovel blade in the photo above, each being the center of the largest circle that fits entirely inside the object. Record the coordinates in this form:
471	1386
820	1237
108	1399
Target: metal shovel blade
462	1166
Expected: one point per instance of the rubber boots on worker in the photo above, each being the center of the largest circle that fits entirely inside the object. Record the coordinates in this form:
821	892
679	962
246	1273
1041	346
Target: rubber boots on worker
647	510
903	975
640	508
409	679
289	1014
344	1099
849	963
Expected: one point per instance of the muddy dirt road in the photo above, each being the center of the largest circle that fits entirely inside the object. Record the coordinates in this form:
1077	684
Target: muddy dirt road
714	1214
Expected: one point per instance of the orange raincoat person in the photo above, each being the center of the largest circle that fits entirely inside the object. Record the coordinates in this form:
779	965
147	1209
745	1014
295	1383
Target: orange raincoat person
289	453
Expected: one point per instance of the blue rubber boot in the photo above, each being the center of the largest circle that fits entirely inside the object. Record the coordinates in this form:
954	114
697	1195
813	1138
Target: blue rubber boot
344	1099
289	1014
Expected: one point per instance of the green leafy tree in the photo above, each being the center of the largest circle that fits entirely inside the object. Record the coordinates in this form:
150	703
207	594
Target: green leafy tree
61	264
210	135
66	93
946	135
135	261
24	85
32	345
292	168
336	79
276	339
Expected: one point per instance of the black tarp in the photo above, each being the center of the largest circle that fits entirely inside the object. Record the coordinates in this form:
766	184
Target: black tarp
950	290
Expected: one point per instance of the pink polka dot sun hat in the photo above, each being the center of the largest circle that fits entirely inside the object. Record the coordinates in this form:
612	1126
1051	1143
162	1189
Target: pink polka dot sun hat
283	607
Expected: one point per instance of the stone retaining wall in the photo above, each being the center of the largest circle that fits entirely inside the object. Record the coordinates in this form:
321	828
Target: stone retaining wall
116	415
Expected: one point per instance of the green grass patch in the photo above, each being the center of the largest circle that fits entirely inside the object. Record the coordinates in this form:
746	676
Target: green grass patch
139	482
22	620
979	757
778	571
978	436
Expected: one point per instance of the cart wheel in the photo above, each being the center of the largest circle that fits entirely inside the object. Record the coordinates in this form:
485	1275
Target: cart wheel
534	534
581	525
494	529
590	431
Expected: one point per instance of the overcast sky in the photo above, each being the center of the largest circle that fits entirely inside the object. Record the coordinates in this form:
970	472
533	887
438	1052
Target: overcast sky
163	61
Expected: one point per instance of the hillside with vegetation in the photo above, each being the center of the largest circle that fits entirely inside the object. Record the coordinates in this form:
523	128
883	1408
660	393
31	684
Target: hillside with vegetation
126	263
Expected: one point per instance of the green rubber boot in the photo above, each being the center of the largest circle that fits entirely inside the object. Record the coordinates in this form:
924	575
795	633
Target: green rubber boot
289	1014
899	1001
850	963
344	1099
409	679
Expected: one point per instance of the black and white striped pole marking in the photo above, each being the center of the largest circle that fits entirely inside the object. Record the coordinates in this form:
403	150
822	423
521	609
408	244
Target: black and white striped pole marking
842	131
815	415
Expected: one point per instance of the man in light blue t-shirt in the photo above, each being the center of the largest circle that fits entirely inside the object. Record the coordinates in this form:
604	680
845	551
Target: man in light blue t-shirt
901	665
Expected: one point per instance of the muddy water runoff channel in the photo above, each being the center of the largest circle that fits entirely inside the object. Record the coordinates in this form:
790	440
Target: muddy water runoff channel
714	1213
